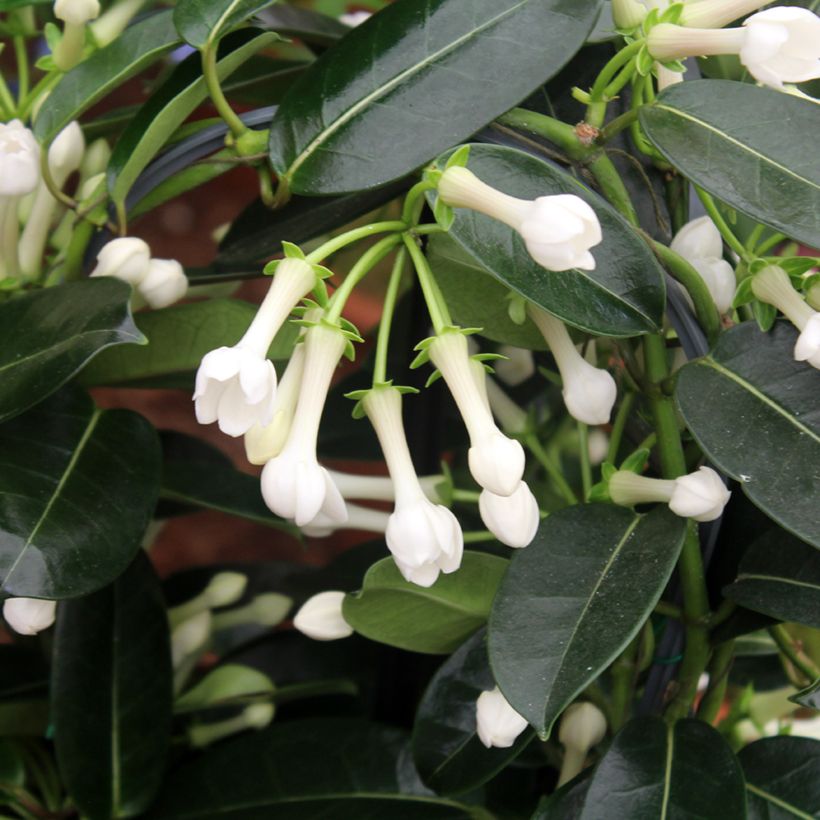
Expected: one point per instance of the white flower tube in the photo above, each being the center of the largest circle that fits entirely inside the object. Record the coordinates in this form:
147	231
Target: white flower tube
557	230
700	244
773	286
28	616
358	518
320	617
583	726
294	484
236	386
512	519
716	13
75	14
64	157
114	21
496	461
164	283
589	392
424	538
777	46
701	495
497	723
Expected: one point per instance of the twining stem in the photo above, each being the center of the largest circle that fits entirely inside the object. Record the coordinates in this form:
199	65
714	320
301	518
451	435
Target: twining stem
389	307
618	427
342	240
719	667
596	110
557	132
799	659
618	124
725	231
410	209
22	67
767	244
436	306
550	468
369	259
583	455
223	107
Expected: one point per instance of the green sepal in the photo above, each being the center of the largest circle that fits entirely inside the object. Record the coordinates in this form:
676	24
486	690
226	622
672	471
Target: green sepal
53	35
674	65
432	176
758	265
644	62
46	63
599	493
349	351
671	14
652	19
608	469
489	357
425	343
808	282
307	304
796	266
292	251
321	271
320	292
433	378
517	307
358	396
636	461
349	329
459	157
444	214
744	293
765	315
422	358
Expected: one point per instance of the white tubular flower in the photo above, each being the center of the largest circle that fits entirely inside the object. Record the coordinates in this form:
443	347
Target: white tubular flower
77	12
628	14
224	588
512	519
700	244
189	637
355	18
557	230
773	286
496	462
589	392
320	617
74	14
497	723
294	484
127	258
164	283
19	160
28	616
424	538
517	367
779	45
236	386
264	443
583	726
358	518
700	495
716	13
64	157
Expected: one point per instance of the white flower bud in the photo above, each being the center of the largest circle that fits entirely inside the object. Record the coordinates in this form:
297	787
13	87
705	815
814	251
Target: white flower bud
320	617
512	519
557	230
583	726
76	12
517	367
496	462
236	386
190	637
164	283
19	160
355	18
628	14
497	723
701	495
224	589
28	616
125	258
267	609
65	154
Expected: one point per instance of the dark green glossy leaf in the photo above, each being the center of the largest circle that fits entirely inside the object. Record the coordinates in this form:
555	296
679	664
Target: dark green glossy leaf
449	756
140	45
566	802
623	296
112	694
760	164
308	25
169	106
475	297
417	77
780	576
46	336
203	479
781	778
754	411
436	619
178	338
302	770
202	22
78	487
573	599
653	770
809	697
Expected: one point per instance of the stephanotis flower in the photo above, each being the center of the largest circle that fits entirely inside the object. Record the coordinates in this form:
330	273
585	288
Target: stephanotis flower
294	484
700	244
126	258
777	46
424	538
701	495
583	725
497	723
512	519
320	617
589	392
28	616
558	231
236	386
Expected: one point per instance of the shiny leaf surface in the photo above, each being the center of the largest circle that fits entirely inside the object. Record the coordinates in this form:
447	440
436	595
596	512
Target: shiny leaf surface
78	487
764	165
47	335
435	620
754	411
201	22
573	599
112	692
623	296
417	77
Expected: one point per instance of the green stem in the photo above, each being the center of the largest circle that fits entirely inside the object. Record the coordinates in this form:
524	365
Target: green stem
22	67
621	79
415	195
436	306
583	456
298	691
466	496
623	684
596	110
677	199
550	468
369	259
557	132
343	240
618	124
383	340
209	70
668	610
754	237
725	231
618	427
799	659
719	667
722	613
478	537
768	244
6	100
613	188
692	281
428	228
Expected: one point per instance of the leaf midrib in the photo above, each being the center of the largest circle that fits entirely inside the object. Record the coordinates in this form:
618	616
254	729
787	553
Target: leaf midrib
750	576
764	795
